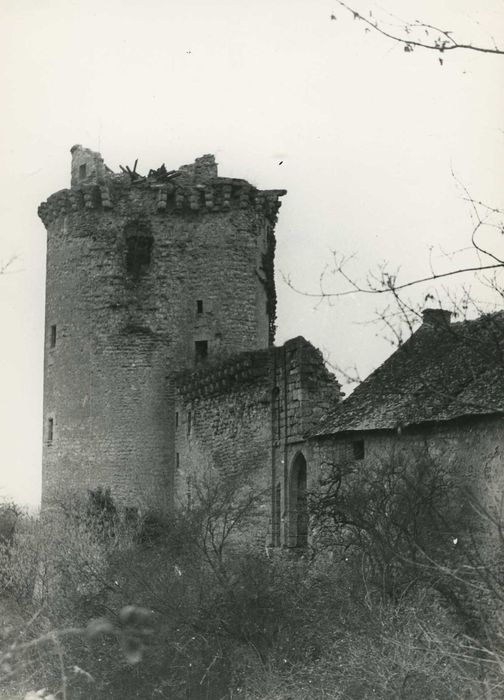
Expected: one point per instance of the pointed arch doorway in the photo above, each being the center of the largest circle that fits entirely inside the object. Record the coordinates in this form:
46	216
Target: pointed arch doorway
298	503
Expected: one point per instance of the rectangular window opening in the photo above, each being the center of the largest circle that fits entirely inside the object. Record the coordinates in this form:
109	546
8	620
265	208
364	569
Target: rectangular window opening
189	422
52	337
50	431
138	255
176	419
199	306
82	171
201	350
177	460
358	449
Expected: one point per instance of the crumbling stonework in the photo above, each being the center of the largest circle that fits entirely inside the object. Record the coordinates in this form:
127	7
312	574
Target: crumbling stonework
249	414
146	275
160	370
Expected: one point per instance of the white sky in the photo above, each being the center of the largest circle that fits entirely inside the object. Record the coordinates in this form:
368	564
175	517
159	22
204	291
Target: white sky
367	134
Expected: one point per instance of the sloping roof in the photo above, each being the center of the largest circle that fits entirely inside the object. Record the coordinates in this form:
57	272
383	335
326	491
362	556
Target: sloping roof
442	372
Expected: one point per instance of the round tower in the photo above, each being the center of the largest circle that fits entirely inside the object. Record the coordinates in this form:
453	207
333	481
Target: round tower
146	276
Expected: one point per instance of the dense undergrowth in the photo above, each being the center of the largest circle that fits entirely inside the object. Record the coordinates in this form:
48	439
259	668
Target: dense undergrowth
96	606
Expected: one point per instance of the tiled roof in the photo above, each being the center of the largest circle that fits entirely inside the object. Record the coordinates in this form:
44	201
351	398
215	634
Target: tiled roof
442	372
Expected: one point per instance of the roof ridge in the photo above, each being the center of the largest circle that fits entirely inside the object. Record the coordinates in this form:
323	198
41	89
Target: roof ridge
431	376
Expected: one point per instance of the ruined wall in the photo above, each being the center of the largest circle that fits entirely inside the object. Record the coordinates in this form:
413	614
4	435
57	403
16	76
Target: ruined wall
303	392
248	416
87	166
139	270
223	435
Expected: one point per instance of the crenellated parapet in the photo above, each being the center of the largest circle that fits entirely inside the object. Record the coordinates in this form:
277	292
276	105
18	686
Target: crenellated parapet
232	374
219	195
296	369
191	188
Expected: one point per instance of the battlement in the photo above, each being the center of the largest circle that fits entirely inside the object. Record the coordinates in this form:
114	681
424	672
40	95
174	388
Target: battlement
297	357
195	187
222	377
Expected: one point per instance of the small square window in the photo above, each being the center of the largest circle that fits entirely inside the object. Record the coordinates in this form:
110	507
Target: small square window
358	449
50	431
201	350
199	306
52	337
82	171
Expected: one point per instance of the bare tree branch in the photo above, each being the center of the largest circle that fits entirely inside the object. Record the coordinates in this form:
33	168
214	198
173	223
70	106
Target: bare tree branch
488	257
4	266
443	39
389	284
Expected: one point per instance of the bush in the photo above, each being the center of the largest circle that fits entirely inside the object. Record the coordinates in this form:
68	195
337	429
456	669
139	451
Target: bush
194	616
10	513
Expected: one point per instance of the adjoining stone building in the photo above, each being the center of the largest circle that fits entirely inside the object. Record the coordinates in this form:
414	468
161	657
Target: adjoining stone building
248	415
160	366
439	397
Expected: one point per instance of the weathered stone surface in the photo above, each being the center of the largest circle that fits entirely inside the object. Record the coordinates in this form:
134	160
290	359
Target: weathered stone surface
125	322
237	417
469	451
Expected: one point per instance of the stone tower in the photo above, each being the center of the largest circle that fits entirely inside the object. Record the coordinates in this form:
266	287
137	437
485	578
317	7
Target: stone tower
146	276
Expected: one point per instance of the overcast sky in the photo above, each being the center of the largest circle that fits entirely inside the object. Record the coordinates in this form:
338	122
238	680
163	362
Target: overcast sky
362	135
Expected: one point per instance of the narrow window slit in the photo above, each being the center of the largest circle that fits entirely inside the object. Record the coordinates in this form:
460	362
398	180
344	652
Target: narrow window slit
50	431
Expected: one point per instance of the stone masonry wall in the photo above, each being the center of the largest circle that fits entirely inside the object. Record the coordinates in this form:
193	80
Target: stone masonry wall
248	416
471	453
223	433
139	269
303	392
